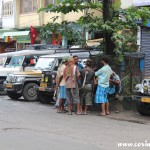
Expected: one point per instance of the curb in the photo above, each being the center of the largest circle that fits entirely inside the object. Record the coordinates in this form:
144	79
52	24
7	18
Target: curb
123	103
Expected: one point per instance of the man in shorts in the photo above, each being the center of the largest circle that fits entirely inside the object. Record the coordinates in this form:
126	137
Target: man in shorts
87	79
115	85
61	83
71	76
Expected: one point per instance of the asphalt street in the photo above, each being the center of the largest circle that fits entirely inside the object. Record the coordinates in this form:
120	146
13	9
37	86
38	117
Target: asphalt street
34	126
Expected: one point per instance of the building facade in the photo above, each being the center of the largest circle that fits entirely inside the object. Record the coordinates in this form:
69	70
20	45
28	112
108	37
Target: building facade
19	15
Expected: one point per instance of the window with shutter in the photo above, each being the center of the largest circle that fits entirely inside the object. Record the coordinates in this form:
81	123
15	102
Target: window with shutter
28	6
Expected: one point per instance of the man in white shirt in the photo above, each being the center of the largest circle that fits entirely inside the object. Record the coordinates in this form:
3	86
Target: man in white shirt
61	83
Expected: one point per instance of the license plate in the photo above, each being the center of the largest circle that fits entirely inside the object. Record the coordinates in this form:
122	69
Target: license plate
145	99
41	88
43	85
9	85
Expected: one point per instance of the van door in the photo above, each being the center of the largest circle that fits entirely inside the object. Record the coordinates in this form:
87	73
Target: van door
29	62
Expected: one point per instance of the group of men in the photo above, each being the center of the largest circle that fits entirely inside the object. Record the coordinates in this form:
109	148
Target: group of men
75	83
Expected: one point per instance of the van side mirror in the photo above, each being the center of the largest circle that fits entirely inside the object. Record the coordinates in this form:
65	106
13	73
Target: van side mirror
24	65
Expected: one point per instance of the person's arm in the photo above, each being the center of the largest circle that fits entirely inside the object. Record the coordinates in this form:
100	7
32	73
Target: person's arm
115	82
95	80
77	74
97	73
61	74
56	87
60	79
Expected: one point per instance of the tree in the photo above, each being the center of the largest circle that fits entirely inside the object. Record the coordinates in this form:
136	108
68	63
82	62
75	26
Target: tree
117	25
108	16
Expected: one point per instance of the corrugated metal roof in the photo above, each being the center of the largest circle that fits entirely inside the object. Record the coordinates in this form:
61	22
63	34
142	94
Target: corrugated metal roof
141	2
145	48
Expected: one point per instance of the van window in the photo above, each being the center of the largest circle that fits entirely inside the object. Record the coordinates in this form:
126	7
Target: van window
16	61
44	63
2	61
58	62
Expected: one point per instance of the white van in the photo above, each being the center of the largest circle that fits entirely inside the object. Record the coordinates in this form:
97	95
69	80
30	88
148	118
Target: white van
23	60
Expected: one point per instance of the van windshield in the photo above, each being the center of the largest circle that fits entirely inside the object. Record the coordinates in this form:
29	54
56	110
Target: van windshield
2	61
16	61
44	63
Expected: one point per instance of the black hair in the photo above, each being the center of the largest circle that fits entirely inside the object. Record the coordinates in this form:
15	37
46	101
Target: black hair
89	62
75	56
105	59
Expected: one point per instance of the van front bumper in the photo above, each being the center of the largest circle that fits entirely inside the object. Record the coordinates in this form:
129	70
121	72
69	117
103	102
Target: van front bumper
144	99
14	87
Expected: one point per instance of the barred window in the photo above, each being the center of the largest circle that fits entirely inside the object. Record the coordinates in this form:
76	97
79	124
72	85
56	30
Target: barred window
8	8
47	2
28	6
94	1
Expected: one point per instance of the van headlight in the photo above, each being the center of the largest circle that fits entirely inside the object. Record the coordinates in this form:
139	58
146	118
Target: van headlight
146	86
42	78
46	79
20	79
11	78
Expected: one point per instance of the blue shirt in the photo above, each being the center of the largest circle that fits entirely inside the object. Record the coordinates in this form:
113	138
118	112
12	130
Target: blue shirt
80	66
104	76
117	78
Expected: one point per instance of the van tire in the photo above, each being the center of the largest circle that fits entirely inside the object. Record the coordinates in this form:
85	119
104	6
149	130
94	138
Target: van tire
143	108
29	92
43	98
13	95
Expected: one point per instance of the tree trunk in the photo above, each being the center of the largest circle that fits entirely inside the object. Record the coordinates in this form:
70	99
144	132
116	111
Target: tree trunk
107	16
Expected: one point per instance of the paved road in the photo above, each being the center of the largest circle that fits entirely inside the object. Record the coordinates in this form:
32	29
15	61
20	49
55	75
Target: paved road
33	126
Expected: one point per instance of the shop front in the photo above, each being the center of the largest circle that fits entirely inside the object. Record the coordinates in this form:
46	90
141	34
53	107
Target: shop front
21	37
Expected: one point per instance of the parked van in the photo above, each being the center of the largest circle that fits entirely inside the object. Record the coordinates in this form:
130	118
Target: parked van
23	60
26	83
142	96
6	57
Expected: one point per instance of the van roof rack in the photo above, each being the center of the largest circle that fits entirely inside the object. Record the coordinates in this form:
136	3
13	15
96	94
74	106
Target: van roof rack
75	50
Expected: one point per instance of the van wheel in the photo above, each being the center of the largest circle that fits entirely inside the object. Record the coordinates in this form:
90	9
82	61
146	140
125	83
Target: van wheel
43	98
13	95
143	108
29	92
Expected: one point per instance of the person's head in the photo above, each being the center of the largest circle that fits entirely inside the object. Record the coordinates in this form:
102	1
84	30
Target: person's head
112	75
70	61
76	59
89	62
65	60
104	60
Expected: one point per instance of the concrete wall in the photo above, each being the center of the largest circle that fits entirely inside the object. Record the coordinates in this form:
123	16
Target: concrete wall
47	17
38	19
28	19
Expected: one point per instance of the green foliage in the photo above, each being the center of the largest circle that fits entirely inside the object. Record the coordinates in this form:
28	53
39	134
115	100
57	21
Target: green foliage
72	6
68	29
122	27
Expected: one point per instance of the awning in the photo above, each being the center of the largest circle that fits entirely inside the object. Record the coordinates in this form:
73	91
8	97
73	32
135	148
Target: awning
2	31
141	2
17	33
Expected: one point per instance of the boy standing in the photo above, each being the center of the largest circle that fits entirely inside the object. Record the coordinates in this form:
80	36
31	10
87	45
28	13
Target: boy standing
71	76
